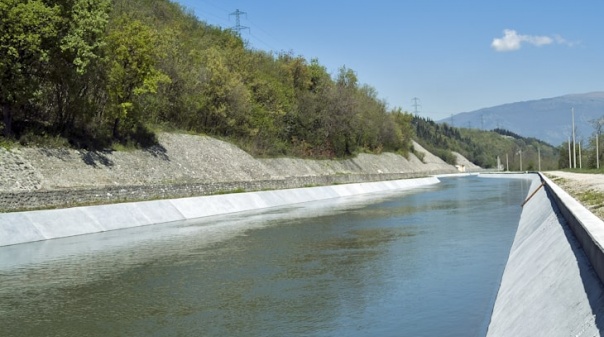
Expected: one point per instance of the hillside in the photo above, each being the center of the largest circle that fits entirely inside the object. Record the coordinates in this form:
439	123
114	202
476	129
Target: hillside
484	147
547	119
94	75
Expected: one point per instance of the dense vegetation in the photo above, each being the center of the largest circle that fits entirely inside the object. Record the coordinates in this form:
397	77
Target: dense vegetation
483	147
97	72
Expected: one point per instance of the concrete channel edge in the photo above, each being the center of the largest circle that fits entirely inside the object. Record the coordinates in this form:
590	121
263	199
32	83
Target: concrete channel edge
30	226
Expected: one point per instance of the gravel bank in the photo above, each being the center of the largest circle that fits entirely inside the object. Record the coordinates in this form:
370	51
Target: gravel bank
181	158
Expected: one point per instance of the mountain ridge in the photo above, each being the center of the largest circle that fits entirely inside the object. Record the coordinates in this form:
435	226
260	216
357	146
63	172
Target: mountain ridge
547	119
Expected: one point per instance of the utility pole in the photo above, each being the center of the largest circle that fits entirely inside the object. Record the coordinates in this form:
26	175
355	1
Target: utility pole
507	163
416	105
574	140
580	166
539	154
238	27
597	152
570	158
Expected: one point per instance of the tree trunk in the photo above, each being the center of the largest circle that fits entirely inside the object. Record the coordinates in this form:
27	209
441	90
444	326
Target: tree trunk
116	125
8	120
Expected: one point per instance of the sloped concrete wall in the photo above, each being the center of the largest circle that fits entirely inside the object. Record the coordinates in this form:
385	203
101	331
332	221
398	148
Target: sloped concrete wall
24	227
549	287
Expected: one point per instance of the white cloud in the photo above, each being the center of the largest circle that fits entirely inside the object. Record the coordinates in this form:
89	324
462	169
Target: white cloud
511	41
560	40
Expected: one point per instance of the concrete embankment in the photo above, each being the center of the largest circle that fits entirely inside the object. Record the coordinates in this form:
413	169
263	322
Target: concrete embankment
550	287
22	227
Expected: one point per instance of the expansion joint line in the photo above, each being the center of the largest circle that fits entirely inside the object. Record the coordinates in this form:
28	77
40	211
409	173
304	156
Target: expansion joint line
532	194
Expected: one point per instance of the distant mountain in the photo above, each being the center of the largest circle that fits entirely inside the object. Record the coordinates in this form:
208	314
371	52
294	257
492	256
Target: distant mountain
547	119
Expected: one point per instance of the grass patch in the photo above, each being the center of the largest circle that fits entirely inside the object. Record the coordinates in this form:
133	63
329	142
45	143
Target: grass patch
559	180
591	197
237	190
120	147
44	140
7	144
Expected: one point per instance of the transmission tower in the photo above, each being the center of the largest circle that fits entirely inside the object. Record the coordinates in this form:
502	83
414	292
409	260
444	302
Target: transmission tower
238	27
416	105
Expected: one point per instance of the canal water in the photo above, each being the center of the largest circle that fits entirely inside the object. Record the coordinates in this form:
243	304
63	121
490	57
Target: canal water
426	262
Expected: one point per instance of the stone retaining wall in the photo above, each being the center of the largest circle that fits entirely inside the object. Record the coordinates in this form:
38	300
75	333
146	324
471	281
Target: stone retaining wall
28	200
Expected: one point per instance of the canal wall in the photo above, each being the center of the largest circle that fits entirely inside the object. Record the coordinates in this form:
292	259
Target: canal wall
22	227
549	286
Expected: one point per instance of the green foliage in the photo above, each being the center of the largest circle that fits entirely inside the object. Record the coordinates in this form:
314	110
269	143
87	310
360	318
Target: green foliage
132	54
26	31
74	72
85	22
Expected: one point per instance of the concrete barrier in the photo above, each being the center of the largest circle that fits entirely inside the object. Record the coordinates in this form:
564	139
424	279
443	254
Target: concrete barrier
32	226
549	287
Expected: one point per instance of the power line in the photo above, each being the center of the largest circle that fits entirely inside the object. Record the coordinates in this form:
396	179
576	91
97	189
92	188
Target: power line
204	13
260	40
269	35
215	6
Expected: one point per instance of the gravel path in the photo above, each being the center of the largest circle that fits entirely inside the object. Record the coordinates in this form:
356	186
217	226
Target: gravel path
586	188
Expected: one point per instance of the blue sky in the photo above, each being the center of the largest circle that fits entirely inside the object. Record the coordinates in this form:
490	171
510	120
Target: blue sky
455	56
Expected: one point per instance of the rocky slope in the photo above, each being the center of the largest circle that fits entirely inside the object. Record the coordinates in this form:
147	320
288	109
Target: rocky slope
182	158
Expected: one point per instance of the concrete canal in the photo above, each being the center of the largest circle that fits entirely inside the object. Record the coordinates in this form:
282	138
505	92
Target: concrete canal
421	262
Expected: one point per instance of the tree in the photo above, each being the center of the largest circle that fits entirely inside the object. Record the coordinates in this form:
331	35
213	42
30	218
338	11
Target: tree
339	123
27	30
81	40
132	55
225	98
595	143
563	156
404	128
